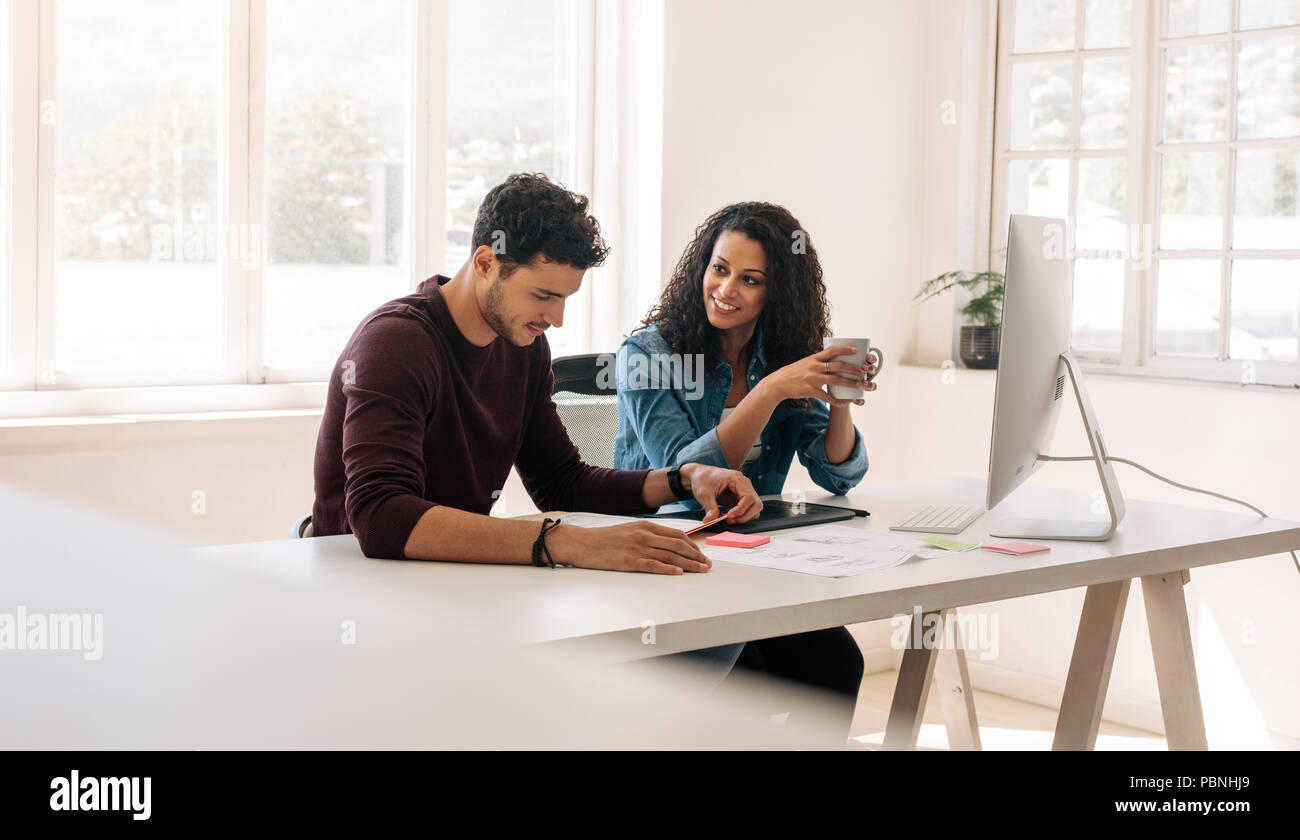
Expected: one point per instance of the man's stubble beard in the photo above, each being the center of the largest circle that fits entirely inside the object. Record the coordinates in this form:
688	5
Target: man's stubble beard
493	313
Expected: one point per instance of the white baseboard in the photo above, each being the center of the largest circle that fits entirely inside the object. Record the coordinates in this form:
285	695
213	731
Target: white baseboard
876	660
1034	688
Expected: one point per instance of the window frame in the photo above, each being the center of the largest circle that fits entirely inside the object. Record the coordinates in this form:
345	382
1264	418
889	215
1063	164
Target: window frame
1144	147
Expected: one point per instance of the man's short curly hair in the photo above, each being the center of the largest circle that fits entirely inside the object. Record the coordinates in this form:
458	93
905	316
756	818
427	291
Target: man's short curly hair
528	215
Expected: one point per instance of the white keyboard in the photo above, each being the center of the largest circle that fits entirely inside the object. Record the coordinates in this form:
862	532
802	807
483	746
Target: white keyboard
940	519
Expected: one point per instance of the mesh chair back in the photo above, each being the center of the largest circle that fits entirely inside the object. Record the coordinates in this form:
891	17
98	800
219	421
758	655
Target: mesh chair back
587	402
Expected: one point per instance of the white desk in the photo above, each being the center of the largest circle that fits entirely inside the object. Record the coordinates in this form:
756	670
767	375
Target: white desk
606	614
271	591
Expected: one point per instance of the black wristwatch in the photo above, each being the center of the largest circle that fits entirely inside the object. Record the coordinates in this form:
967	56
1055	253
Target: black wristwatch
675	484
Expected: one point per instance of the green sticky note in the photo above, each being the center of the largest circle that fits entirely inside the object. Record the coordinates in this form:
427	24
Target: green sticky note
947	544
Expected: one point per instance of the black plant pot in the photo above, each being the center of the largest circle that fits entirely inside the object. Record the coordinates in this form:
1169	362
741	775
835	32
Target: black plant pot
980	346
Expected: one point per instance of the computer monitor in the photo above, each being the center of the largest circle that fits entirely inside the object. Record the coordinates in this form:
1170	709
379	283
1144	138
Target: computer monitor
1034	365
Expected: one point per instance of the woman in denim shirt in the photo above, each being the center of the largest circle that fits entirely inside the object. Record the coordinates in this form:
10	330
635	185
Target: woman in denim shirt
747	295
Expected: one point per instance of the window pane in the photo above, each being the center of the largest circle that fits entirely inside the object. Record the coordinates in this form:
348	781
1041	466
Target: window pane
1106	23
1104	104
1041	94
1187	308
1256	14
1043	25
1196	93
137	281
1265	214
1268	87
1191	200
1101	225
336	137
1196	17
1038	187
1265	310
1098	318
510	109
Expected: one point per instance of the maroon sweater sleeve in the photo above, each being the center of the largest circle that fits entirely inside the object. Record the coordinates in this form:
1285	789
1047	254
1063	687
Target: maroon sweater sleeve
388	403
553	474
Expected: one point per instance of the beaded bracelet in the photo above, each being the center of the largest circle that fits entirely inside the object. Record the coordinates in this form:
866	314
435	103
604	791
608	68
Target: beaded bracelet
539	545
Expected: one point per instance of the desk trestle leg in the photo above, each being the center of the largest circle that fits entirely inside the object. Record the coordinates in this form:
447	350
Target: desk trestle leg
946	666
1171	648
1094	653
952	682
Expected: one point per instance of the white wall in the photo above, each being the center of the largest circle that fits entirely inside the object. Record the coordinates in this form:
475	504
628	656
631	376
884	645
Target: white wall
253	470
812	105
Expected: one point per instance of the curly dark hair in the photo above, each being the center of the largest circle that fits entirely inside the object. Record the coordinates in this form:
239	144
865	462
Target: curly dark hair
528	215
795	317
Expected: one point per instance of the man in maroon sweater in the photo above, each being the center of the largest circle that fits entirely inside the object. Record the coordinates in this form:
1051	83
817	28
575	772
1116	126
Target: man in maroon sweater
439	393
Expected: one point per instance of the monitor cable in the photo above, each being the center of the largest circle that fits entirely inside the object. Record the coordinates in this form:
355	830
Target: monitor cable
1167	481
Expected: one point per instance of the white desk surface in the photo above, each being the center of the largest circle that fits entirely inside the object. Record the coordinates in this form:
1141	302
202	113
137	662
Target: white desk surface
240	645
730	603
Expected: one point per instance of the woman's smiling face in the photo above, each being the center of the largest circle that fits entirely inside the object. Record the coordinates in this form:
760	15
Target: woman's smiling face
735	282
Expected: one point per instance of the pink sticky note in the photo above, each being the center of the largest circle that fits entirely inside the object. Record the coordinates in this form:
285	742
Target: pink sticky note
732	540
1013	547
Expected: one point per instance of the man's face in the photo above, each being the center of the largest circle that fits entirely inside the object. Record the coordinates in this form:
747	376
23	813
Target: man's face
525	304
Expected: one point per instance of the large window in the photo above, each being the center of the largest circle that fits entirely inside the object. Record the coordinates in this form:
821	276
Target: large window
223	188
1168	134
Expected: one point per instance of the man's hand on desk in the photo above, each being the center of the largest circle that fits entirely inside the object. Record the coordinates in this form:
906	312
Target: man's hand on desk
713	485
445	533
650	547
630	547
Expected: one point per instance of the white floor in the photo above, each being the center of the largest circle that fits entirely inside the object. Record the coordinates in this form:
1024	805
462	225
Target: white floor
1005	723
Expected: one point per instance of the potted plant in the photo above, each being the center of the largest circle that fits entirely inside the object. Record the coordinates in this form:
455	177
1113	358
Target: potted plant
981	335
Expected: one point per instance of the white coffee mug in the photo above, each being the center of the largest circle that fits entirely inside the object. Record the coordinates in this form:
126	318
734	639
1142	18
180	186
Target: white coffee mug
862	349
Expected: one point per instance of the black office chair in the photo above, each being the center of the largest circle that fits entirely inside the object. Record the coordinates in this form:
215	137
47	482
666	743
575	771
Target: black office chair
301	528
586	399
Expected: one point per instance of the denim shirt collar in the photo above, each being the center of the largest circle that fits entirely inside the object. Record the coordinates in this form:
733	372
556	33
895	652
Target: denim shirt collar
758	362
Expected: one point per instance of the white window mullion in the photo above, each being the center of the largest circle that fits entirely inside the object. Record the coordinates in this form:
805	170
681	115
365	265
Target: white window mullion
22	74
612	174
48	108
1001	131
1076	141
578	310
435	27
237	258
422	194
1139	269
255	190
1229	191
1156	63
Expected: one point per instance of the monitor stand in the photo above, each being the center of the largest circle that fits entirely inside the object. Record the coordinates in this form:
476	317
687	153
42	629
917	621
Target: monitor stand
1073	529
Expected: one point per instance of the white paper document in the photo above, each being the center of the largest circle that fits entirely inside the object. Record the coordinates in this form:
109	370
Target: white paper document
829	551
834	561
843	535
